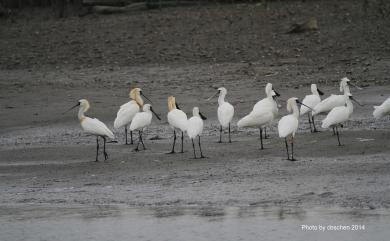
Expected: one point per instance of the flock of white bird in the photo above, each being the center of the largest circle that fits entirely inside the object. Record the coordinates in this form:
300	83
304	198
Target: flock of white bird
338	108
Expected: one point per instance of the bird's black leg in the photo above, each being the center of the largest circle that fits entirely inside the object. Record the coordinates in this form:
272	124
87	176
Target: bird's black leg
131	138
97	148
142	141
182	142
292	149
193	146
174	142
220	134
308	115
314	125
230	139
338	138
200	148
104	149
139	141
265	133
334	131
288	155
126	135
261	138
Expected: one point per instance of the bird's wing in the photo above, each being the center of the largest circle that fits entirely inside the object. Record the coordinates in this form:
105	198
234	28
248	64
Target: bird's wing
225	114
287	125
256	119
126	113
311	101
96	127
329	103
178	119
336	116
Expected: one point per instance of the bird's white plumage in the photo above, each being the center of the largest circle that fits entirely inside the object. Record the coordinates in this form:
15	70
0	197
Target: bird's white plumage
382	110
195	124
126	114
338	115
177	119
96	127
310	100
287	125
333	101
142	119
267	103
225	114
256	119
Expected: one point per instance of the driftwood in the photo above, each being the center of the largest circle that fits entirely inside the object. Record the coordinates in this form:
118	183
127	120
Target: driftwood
309	25
115	3
112	9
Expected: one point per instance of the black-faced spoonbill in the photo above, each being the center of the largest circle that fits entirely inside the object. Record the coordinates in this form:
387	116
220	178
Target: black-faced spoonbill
127	111
382	110
93	126
258	118
311	101
268	103
225	112
177	119
140	121
338	115
288	125
195	128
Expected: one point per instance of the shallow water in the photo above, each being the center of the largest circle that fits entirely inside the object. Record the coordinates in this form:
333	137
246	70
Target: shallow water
190	223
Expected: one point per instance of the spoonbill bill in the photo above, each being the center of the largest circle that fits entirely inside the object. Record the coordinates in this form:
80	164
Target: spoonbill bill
338	115
268	103
225	112
382	110
311	101
128	110
177	119
195	128
140	121
258	118
93	126
288	125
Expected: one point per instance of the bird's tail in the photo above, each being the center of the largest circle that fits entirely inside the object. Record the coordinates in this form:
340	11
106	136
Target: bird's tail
244	122
325	123
377	112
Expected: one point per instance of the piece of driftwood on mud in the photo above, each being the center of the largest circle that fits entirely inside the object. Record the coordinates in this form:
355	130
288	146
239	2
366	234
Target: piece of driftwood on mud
118	3
310	25
113	10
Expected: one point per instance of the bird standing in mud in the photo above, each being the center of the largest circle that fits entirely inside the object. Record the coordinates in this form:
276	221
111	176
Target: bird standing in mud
93	126
338	115
177	119
127	111
288	125
195	128
140	121
258	118
225	112
382	110
311	101
268	103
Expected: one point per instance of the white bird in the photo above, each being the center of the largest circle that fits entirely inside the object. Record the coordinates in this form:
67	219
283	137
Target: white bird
382	110
288	125
93	126
225	112
141	120
258	118
177	119
311	101
338	115
268	103
128	110
195	128
333	101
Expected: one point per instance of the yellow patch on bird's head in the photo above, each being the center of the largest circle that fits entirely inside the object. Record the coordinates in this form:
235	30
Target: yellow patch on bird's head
84	104
171	103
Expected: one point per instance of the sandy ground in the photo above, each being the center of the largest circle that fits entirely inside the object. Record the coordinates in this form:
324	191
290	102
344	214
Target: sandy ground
47	66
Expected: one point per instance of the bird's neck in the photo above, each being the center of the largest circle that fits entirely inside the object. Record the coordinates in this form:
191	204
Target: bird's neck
139	101
349	104
295	111
81	115
221	98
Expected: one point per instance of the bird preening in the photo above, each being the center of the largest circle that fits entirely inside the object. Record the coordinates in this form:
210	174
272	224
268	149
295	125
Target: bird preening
136	116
